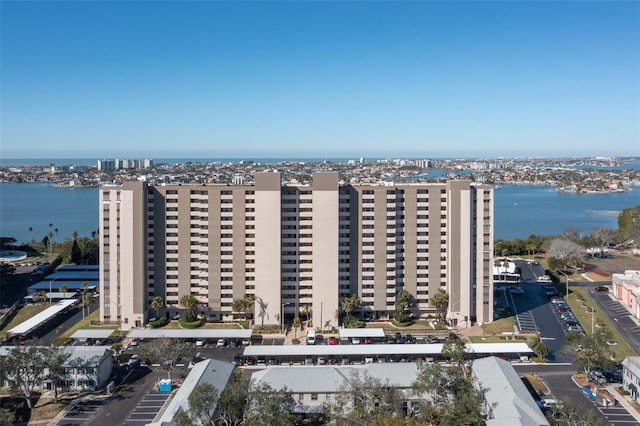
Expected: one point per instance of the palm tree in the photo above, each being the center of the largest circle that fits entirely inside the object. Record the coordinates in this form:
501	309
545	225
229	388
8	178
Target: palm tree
306	311
249	305
40	297
88	299
538	347
156	304
296	325
350	304
63	289
440	301
238	305
189	301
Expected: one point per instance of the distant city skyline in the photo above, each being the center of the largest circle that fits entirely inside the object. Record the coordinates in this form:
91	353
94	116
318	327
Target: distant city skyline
319	79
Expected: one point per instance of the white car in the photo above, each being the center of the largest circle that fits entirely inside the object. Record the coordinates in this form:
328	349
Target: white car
221	343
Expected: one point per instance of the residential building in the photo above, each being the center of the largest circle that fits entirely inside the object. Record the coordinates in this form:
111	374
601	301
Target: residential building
507	401
292	245
626	288
631	376
87	368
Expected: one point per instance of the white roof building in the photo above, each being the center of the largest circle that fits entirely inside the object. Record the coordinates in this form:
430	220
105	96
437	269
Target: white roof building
508	402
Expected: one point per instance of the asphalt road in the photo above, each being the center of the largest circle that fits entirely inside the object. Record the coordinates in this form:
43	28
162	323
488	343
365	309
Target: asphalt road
618	315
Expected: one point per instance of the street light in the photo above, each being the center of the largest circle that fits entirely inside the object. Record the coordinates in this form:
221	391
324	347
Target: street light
50	289
567	285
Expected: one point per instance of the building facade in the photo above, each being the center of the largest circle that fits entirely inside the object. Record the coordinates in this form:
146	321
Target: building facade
296	245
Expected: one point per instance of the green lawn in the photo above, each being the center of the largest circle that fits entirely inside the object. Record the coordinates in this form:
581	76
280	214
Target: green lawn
582	306
23	314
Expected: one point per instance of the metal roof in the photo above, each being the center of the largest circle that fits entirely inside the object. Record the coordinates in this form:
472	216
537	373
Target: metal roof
74	275
348	333
212	371
508	399
92	333
42	317
55	285
383	349
191	334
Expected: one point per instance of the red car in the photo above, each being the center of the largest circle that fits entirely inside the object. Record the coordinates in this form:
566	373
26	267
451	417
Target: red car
601	288
333	341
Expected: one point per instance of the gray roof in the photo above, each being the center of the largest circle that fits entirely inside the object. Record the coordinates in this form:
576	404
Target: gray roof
102	333
360	332
328	379
212	371
183	333
78	355
382	349
508	400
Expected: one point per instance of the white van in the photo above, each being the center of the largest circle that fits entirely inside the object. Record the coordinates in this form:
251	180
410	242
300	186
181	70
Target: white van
311	337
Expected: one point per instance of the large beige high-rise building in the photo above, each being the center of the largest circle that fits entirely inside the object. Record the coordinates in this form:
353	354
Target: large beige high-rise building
296	245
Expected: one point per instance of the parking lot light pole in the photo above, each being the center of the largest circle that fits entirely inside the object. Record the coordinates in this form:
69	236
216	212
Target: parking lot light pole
50	289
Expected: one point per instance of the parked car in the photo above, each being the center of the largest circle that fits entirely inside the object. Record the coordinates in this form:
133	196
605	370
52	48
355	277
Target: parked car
332	360
333	340
597	377
575	329
601	288
221	343
249	361
246	342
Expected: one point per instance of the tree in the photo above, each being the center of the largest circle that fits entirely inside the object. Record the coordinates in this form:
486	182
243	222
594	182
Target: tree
267	406
201	410
363	398
296	325
567	250
164	351
403	301
189	302
63	288
538	347
40	298
157	303
233	400
590	350
568	412
23	369
454	351
306	311
440	301
56	357
455	400
76	253
7	271
349	305
88	300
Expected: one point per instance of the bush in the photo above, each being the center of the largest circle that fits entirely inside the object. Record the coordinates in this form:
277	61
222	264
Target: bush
160	322
244	324
189	316
192	324
402	317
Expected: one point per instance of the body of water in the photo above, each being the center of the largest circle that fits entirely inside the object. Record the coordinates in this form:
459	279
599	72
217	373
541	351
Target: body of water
520	211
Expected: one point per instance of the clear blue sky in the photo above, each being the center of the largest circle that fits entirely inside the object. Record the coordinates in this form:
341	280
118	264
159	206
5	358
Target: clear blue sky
303	79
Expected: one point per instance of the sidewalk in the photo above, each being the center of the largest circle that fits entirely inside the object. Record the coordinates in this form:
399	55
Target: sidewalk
625	401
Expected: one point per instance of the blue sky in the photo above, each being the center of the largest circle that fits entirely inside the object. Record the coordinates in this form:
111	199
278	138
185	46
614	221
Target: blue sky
304	79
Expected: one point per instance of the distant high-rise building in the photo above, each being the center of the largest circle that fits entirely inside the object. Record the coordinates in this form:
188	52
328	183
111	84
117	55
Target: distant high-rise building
296	245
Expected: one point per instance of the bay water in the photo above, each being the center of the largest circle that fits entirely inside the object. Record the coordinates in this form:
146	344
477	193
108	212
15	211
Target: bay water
520	211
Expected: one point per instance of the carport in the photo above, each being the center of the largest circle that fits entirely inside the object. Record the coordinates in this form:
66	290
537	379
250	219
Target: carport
349	333
187	334
91	334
